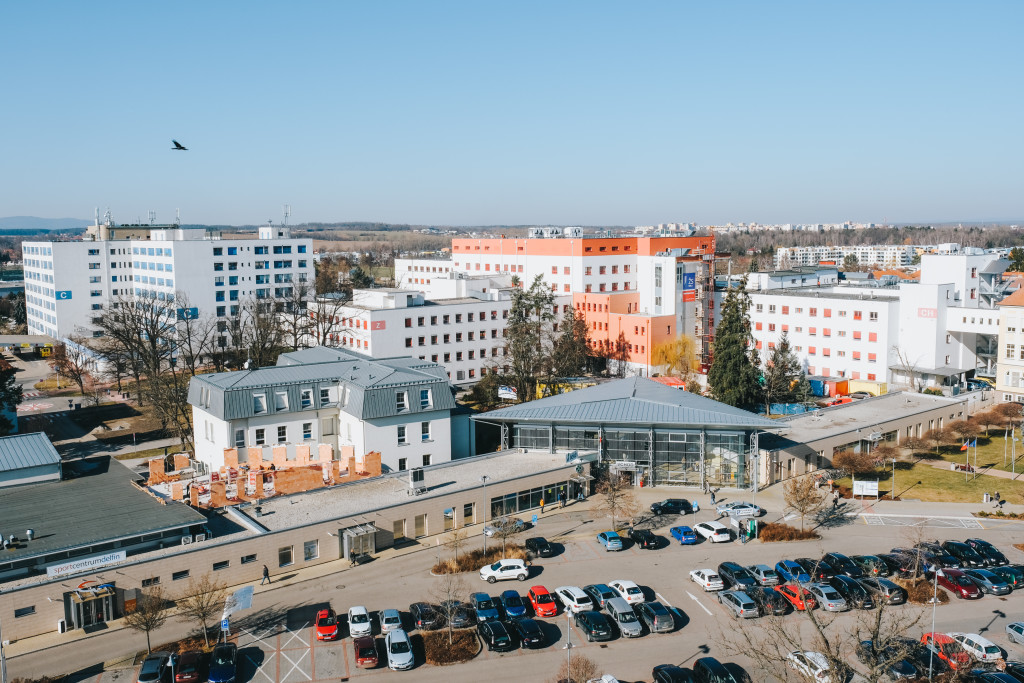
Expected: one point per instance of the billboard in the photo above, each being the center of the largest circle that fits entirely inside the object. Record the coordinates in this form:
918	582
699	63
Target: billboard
507	393
689	280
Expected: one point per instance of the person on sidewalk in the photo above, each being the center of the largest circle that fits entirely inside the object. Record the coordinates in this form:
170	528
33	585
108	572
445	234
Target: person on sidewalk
996	497
712	498
835	500
561	500
542	506
266	575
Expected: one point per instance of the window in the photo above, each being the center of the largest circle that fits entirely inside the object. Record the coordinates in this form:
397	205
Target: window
408	342
284	556
259	403
24	611
239	438
152	581
223	564
261	436
310	550
307	431
873	316
280	400
401	464
248	559
400	402
1011	350
408	322
426	460
424	431
424	398
178	576
402	440
325	396
282	434
306	398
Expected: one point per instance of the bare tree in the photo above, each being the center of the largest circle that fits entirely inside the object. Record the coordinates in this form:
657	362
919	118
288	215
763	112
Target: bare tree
73	361
293	313
259	332
615	500
803	495
908	364
202	601
325	318
149	613
447	591
505	530
194	335
456	540
578	669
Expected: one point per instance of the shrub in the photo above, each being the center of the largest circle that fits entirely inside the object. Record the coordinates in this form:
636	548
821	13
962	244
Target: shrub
921	590
774	531
474	559
436	650
1000	514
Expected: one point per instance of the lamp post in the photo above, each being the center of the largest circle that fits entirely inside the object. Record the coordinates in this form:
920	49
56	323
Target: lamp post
3	658
935	591
892	496
483	480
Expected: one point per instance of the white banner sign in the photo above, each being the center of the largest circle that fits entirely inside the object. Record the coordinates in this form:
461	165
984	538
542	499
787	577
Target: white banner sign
865	488
85	564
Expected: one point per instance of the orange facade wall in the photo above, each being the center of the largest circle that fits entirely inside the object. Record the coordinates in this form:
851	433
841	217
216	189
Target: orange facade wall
608	315
585	246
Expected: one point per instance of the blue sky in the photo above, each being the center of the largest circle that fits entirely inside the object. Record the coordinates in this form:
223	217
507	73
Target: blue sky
593	113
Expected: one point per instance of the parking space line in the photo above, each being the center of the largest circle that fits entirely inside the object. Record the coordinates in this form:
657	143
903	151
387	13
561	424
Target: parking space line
697	600
295	665
663	600
259	667
312	657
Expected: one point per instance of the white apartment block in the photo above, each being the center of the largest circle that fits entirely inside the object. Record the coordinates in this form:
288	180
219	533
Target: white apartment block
1010	368
68	285
883	256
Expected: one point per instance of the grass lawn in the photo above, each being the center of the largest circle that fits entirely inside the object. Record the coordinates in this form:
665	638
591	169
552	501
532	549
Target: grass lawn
989	453
922	481
148	453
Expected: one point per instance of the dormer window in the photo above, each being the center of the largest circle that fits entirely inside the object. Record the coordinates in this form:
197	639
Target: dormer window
425	401
307	398
259	403
281	400
325	396
401	404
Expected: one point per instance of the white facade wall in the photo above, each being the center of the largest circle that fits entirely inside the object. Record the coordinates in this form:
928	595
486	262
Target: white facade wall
415	273
1010	360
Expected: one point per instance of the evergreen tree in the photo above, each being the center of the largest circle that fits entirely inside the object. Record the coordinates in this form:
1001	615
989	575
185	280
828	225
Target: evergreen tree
782	374
528	340
572	345
1017	260
733	377
10	397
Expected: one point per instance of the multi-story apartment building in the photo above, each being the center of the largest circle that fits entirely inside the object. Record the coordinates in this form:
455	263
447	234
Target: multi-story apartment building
1010	369
399	407
884	255
68	285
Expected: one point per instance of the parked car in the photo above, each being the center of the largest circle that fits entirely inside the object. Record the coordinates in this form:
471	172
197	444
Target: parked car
495	636
484	606
789	570
670	673
508	525
871	565
811	664
390	620
154	667
503	570
979	647
739	509
610	540
186	666
1015	632
958	583
1011	574
624	617
656	616
528	631
716	532
965	554
740	604
627	590
898	564
768	600
996	677
684	534
365	650
326	625
890	659
359	621
599	593
763	574
573	599
799	597
941	560
859	395
736	576
924	656
841	564
512	604
816	569
223	663
884	590
829	599
707	579
459	614
594	625
988	582
542	601
644	538
674	506
710	670
425	616
854	593
399	649
539	547
947	649
988	551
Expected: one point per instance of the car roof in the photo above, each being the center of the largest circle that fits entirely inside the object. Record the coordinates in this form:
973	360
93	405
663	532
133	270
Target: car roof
618	603
398	634
357	609
682	527
713	525
481	596
390	612
363	641
574	591
509	593
539	590
623	582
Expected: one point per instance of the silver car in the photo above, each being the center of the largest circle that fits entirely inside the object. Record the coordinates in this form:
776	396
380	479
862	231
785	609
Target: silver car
399	650
828	597
740	604
390	620
765	575
624	617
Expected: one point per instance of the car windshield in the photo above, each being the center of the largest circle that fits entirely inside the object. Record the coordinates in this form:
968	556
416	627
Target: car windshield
964	581
485	604
221	657
714	577
359	618
768	573
399	647
496	566
627	617
186	669
328	621
992	650
829	594
367	652
391	619
633	590
545	598
513	601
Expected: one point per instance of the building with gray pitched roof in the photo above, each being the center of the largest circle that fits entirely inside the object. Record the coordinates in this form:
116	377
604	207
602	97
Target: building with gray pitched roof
660	434
27	459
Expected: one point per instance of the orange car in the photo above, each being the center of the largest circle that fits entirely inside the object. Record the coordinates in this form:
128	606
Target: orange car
800	598
948	650
326	625
544	604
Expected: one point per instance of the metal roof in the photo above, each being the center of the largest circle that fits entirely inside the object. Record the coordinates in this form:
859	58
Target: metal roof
20	451
635	400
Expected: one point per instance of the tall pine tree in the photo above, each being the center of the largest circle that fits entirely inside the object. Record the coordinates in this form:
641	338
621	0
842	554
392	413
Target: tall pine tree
733	376
782	374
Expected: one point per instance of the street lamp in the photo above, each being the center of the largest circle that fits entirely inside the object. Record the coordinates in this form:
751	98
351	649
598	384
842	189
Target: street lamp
483	480
3	659
892	496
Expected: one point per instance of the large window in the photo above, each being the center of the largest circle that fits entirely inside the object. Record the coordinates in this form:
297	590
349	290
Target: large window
284	556
570	438
310	550
536	438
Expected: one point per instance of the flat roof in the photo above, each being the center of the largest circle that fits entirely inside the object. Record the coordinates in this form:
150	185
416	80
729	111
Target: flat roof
875	294
95	503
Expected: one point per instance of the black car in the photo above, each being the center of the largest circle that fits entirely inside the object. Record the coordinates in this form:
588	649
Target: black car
816	569
872	565
842	565
965	554
594	625
899	565
644	538
539	547
893	659
884	590
425	616
988	551
769	600
735	575
996	677
922	656
670	673
495	636
941	560
528	631
673	506
1011	574
930	546
1015	669
854	593
154	667
460	614
710	670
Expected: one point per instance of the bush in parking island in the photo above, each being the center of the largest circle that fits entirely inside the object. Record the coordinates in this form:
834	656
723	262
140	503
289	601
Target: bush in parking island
472	561
775	531
921	590
436	650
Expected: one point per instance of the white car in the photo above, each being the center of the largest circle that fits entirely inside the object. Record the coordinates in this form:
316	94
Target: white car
982	649
503	570
359	621
628	591
390	620
574	599
716	532
399	650
828	597
810	664
739	509
708	579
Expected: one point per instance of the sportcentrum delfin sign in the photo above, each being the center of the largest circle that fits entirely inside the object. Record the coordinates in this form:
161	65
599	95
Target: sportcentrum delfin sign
85	564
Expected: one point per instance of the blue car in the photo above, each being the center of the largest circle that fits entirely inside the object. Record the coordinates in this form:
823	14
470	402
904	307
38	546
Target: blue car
610	540
223	663
485	607
791	571
512	604
684	534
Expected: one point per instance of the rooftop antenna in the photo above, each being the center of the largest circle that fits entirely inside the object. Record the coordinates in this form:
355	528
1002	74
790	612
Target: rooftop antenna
108	218
152	217
96	214
177	216
287	213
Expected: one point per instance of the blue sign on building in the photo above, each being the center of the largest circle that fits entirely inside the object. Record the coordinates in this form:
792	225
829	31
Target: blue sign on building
64	295
188	313
689	281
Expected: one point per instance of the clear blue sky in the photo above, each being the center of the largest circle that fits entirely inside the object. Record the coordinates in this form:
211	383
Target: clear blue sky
511	113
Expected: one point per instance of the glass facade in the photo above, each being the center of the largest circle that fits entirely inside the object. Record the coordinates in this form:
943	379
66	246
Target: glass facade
514	503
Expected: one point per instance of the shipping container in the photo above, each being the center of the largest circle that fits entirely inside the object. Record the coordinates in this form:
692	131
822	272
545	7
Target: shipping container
817	386
838	387
873	388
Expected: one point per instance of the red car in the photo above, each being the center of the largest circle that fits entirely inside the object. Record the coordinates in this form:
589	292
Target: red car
948	650
958	583
326	625
186	667
366	652
800	598
543	602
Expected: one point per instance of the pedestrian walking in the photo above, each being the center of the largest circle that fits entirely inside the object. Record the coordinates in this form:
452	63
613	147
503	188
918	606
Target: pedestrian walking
561	500
580	496
266	575
835	499
996	497
542	506
712	498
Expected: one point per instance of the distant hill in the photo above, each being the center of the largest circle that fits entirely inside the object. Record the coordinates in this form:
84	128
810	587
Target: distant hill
36	224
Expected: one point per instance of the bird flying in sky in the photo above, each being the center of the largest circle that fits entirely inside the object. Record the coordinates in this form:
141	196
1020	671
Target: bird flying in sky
178	146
